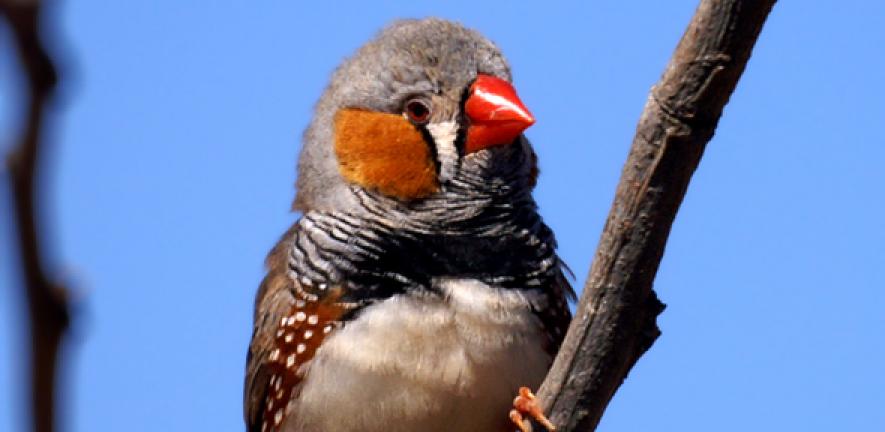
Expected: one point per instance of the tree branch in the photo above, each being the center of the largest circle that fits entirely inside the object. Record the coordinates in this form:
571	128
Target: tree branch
615	321
47	303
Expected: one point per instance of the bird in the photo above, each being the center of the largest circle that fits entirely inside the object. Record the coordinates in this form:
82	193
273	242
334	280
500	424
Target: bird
419	289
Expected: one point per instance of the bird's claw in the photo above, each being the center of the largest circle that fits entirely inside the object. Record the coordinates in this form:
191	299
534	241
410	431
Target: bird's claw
526	404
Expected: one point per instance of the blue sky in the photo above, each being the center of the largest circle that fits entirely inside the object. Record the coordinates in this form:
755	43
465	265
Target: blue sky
173	170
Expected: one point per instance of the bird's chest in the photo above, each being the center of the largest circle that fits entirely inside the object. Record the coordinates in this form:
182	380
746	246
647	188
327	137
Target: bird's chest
417	362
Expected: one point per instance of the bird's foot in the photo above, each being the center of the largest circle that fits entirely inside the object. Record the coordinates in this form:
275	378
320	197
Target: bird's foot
526	404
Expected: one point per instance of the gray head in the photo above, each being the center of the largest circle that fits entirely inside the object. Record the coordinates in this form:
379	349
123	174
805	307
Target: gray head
419	118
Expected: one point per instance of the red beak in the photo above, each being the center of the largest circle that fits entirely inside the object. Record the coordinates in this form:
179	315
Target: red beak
497	116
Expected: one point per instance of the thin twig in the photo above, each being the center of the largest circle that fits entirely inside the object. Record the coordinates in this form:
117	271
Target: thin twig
615	321
47	303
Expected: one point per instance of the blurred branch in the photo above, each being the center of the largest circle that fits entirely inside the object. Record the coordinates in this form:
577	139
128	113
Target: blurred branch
47	303
615	321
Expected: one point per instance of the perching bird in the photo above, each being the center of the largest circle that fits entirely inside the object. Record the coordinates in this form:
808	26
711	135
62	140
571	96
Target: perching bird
420	289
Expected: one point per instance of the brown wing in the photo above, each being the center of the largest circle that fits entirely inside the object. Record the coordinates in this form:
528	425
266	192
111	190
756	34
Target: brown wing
290	324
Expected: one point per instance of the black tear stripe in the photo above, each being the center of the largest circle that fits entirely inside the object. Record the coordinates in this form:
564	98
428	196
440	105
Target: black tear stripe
460	139
460	135
463	121
431	144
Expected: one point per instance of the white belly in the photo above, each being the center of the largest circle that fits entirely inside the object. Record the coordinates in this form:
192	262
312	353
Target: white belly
425	364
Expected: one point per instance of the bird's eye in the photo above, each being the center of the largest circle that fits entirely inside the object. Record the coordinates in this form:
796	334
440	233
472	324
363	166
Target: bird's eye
417	110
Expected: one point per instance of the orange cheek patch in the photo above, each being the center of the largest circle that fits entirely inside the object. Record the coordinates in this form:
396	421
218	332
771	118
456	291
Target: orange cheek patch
384	152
